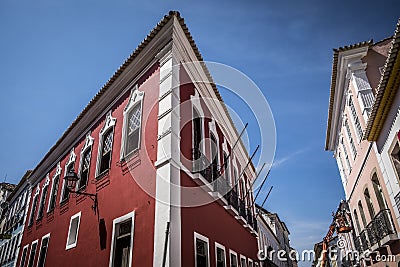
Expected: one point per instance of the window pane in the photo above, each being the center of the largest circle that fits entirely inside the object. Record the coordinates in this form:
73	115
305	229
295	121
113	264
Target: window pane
73	232
134	124
56	182
122	247
43	252
106	151
23	257
34	204
42	202
201	253
32	255
85	169
233	260
220	257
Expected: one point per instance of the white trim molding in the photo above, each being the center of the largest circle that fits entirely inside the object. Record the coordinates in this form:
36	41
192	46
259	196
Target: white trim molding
205	240
218	245
73	244
126	217
56	174
109	123
89	140
30	252
40	249
136	98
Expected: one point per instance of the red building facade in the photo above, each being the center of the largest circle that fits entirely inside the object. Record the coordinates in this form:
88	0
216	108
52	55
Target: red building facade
152	147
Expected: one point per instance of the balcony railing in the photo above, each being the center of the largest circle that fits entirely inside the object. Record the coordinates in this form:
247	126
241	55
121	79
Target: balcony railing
212	174
221	186
380	227
202	165
233	199
357	244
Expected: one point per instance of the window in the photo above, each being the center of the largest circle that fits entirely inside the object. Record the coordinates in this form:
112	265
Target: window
357	221
214	157
233	259
43	250
197	135
33	207
132	124
369	203
43	197
202	258
122	240
23	256
72	238
105	146
395	156
32	254
220	255
226	168
84	164
362	214
346	156
250	263
69	167
352	146
243	261
54	191
106	152
355	118
378	192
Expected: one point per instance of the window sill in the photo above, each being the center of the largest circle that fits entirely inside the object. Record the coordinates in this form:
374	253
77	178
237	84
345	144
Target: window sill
102	175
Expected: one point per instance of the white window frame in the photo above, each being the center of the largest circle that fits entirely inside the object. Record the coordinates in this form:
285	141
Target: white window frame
136	98
245	260
77	215
89	140
57	173
250	261
218	245
225	150
108	124
205	239
31	214
40	248
212	125
30	252
26	256
130	215
71	161
196	104
42	197
231	252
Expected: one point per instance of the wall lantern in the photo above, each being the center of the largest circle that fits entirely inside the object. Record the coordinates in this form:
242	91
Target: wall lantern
71	179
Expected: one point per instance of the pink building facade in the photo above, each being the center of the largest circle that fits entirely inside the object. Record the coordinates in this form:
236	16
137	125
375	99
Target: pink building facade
357	76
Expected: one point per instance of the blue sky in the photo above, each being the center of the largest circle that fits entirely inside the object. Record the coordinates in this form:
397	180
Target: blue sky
55	56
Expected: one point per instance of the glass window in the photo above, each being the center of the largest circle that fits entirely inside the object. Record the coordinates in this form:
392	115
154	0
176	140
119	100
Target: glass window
32	254
43	251
134	126
42	201
84	177
105	156
220	257
23	257
33	209
54	191
201	253
73	231
234	262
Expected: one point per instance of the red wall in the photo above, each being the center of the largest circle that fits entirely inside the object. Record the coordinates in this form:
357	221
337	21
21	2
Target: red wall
211	220
118	194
